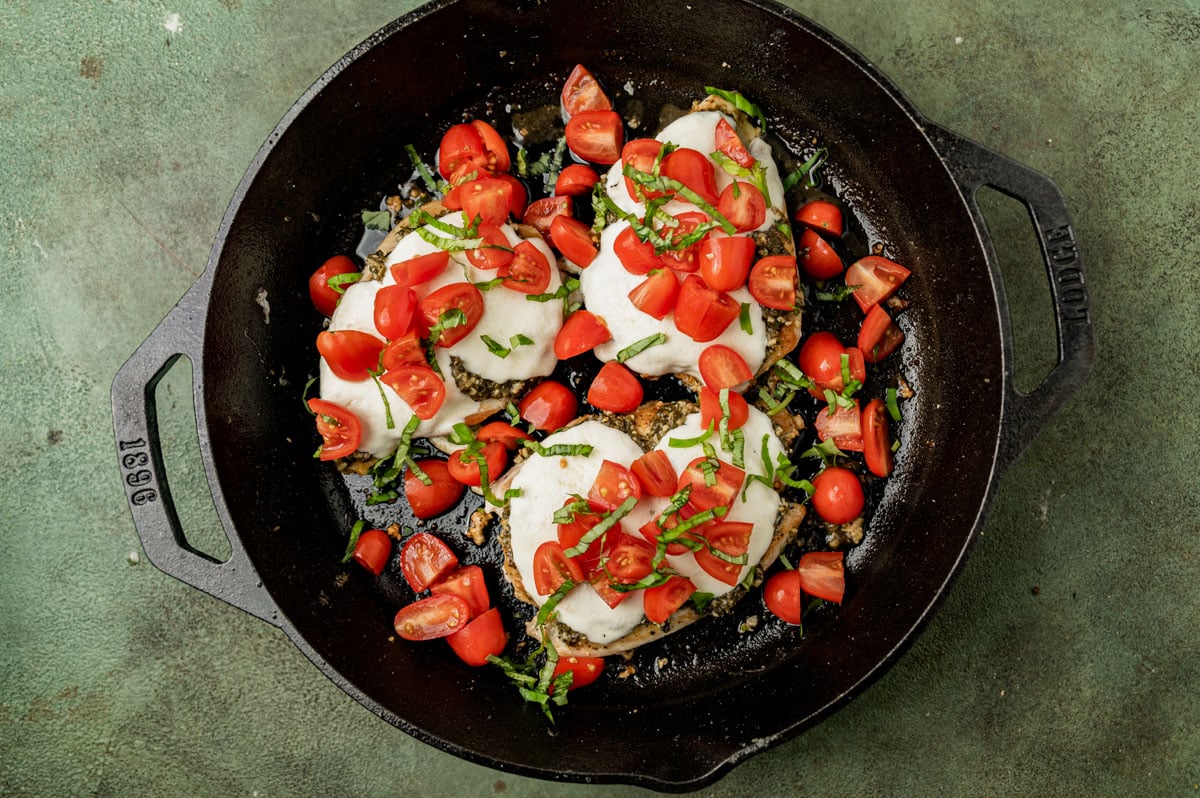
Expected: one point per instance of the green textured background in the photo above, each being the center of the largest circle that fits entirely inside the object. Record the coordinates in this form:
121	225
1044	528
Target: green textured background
1064	661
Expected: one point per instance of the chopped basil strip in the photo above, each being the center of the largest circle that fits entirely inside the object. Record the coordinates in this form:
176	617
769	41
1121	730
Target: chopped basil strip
789	373
569	286
448	244
567	513
377	220
653	579
355	531
744	319
701	600
417	472
773	405
426	177
805	171
499	350
741	103
552	601
893	405
338	282
637	347
461	434
599	529
382	498
385	475
683	443
837	293
826	451
454	317
757	174
488	285
739	448
667	184
896	445
786	562
558	449
513	414
387	406
304	395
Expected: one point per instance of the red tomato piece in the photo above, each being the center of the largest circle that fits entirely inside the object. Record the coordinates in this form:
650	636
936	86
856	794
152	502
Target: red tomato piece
743	205
583	670
722	367
731	538
552	567
425	560
372	550
324	297
576	180
725	261
494	252
877	279
464	467
711	413
782	595
431	618
683	257
655	473
773	282
630	560
421	269
596	136
548	406
428	501
823	574
641	155
406	350
581	332
657	294
817	258
338	427
879	335
541	213
350	354
528	272
701	313
520	195
660	602
820	216
573	239
502	433
820	358
582	92
486	199
612	487
877	442
838	496
704	496
653	533
570	534
394	308
494	147
615	388
602	584
420	387
455	296
461	147
694	170
636	256
729	143
843	426
482	637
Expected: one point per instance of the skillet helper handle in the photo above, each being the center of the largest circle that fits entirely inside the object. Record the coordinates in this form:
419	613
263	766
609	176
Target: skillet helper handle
975	166
139	454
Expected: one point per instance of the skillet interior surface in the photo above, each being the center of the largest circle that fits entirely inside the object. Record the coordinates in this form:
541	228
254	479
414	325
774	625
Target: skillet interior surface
710	695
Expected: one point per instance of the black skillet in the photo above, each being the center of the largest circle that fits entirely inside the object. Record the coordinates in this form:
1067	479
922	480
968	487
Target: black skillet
721	696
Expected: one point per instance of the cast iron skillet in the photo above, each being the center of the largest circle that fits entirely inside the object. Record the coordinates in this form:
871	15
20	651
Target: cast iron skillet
721	696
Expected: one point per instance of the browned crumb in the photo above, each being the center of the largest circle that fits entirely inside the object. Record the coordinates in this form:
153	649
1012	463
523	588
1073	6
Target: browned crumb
476	526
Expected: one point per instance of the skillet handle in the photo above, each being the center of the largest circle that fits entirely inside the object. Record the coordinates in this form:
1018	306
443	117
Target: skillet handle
139	454
974	166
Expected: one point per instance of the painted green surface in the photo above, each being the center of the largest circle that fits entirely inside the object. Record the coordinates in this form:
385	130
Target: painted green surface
1064	661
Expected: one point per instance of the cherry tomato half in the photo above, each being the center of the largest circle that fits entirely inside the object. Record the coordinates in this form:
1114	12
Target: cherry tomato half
820	216
424	560
879	336
487	199
640	155
548	406
705	497
581	332
838	497
324	297
405	350
541	213
339	428
823	574
722	367
582	92
614	484
694	170
421	269
843	426
351	354
528	272
596	136
465	467
773	282
660	602
468	584
743	205
503	433
420	387
552	567
576	180
431	618
711	413
615	388
729	143
394	308
629	560
583	670
636	256
731	538
482	637
455	296
817	258
657	294
877	442
573	239
494	252
782	595
725	260
702	313
571	533
877	279
494	148
460	147
372	550
428	501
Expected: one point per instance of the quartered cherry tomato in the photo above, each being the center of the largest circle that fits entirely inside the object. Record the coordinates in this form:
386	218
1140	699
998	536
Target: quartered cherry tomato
324	297
581	332
743	205
468	584
838	498
571	533
503	433
722	367
424	560
660	602
877	442
420	387
704	496
465	467
576	180
657	294
711	413
782	595
431	618
730	144
428	501
612	487
682	256
494	148
548	406
630	559
406	350
372	550
640	155
583	670
601	582
823	574
731	538
582	92
482	637
351	354
694	170
615	388
636	256
454	296
339	428
879	336
773	282
487	199
725	260
596	136
461	147
820	216
817	258
541	213
877	279
573	239
655	473
528	272
421	269
843	426
495	251
552	567
701	313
